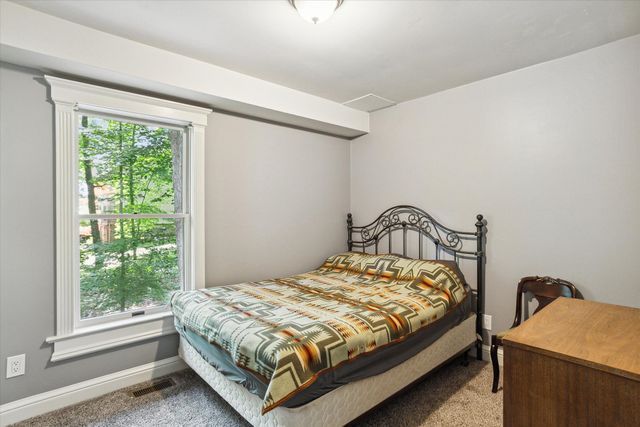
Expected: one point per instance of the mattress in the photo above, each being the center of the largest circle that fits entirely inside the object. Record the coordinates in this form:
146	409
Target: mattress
343	404
293	333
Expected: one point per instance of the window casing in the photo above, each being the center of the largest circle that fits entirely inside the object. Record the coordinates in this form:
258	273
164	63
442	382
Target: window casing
77	332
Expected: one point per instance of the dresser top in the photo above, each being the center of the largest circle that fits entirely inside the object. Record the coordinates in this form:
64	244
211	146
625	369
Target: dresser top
597	335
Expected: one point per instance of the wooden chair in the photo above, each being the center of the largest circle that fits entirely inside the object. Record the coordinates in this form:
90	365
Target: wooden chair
544	290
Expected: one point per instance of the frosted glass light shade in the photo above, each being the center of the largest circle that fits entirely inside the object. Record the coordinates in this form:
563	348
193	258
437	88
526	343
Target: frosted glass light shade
316	11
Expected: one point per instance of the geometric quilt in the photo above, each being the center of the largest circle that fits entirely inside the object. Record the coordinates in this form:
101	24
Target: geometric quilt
288	331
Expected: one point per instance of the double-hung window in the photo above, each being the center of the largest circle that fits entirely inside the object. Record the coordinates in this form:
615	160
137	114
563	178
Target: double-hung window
131	229
129	206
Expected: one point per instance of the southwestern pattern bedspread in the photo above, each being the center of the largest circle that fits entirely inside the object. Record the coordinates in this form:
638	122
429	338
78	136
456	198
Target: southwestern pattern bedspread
288	331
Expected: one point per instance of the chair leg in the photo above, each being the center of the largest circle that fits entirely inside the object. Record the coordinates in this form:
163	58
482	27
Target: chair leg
496	367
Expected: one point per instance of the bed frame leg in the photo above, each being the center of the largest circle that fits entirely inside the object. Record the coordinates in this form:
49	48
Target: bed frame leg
465	358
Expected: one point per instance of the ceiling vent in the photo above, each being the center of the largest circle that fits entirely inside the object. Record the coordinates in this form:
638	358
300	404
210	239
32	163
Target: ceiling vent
370	103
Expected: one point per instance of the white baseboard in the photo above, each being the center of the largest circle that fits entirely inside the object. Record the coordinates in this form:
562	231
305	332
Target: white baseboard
32	406
486	354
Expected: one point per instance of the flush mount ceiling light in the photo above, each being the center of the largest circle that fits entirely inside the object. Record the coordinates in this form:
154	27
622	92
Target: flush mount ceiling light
316	11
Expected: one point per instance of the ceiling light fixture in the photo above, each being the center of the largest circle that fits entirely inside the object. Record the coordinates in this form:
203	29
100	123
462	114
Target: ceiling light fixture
316	11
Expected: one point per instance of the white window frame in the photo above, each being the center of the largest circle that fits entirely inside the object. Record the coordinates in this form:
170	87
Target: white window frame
75	337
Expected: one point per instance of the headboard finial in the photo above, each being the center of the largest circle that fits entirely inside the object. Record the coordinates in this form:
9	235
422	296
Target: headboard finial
480	218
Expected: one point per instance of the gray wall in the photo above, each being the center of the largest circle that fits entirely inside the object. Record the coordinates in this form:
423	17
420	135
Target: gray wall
270	179
550	154
276	199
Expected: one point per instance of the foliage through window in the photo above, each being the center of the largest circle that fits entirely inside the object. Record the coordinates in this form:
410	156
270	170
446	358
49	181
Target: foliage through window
131	200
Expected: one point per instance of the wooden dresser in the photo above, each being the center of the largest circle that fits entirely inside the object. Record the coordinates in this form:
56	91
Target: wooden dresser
575	363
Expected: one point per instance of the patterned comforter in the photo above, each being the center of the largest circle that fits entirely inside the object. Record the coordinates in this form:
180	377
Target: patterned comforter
288	331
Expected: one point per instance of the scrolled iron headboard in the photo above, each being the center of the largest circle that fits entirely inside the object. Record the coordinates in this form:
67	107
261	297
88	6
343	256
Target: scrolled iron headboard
446	240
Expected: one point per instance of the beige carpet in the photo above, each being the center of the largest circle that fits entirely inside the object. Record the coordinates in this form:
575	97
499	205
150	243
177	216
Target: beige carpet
454	396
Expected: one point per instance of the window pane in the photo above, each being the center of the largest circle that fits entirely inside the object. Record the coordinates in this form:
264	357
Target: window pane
132	264
128	167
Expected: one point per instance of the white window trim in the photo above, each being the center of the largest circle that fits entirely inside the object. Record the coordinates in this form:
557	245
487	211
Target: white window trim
69	97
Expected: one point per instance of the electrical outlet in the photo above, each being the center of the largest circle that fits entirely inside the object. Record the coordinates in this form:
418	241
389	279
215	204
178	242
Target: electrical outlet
15	366
486	322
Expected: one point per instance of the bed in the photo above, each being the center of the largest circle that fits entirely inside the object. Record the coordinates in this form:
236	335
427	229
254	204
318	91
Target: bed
326	346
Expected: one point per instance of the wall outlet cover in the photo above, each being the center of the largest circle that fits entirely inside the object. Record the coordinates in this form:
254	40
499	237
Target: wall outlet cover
15	366
486	322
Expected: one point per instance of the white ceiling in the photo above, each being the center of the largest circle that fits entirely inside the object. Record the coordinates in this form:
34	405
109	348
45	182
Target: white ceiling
396	49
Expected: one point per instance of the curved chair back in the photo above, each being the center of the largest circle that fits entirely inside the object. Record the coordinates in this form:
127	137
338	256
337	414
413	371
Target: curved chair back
544	290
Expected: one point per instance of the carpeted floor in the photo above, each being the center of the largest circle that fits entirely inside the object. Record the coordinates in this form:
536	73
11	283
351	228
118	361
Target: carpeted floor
454	396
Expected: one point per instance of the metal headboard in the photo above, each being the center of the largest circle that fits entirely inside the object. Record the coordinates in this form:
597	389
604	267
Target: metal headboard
446	240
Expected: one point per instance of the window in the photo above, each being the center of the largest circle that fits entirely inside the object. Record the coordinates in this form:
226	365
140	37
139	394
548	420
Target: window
129	181
131	199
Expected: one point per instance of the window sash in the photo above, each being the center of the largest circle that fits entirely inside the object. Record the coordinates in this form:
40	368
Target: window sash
80	323
109	114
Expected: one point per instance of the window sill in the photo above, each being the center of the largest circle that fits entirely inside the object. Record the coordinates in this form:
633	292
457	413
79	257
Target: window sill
97	338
